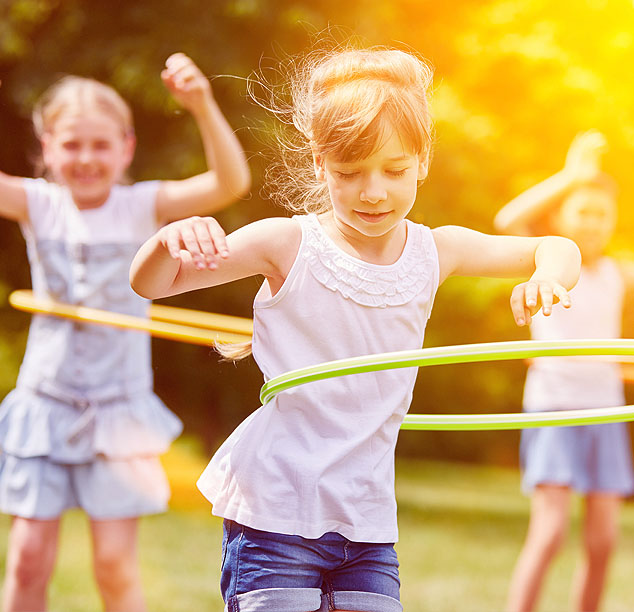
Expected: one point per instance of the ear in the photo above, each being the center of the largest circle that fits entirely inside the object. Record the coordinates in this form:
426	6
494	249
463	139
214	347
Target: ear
45	143
130	148
423	166
318	164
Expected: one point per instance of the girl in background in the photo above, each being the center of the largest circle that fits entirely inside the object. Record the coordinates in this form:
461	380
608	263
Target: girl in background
578	202
306	483
83	427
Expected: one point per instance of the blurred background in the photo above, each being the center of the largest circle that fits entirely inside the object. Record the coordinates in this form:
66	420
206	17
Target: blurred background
514	81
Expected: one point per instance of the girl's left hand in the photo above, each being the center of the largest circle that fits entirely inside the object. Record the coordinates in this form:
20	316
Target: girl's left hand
186	82
528	297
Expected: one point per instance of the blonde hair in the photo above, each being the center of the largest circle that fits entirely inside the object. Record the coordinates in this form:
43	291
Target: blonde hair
341	103
78	94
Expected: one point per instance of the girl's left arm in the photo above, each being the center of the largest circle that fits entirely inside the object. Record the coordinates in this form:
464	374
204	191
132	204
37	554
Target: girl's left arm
228	177
552	263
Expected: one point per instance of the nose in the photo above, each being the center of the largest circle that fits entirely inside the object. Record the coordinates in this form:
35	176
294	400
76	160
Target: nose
373	190
85	155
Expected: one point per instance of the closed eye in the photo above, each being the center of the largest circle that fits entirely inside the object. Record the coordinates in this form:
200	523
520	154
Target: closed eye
346	175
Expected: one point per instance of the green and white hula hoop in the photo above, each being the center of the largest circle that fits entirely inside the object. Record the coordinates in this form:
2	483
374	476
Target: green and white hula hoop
471	353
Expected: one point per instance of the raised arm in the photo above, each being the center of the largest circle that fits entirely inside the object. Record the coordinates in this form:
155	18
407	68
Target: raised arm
552	263
194	253
228	177
583	164
13	203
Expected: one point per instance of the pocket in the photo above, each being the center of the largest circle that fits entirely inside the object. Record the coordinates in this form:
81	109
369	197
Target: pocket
226	534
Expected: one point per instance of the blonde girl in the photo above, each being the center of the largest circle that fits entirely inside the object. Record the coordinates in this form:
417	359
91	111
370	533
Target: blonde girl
578	202
306	483
83	427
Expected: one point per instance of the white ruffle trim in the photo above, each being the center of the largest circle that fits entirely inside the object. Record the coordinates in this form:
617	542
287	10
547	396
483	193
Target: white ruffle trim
364	283
33	425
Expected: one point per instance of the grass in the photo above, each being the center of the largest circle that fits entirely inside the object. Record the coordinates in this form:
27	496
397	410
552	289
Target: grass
461	529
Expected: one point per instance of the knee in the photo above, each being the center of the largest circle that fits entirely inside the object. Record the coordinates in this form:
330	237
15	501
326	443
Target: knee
31	562
551	538
114	570
599	545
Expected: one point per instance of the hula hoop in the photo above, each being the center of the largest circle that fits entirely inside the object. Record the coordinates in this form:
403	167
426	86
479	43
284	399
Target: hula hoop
470	353
209	330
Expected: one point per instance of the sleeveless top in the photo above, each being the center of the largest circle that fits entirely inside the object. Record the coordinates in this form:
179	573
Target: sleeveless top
320	457
85	389
557	383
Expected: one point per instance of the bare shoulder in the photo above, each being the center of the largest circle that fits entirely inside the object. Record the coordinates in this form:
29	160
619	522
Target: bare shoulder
449	241
270	244
273	232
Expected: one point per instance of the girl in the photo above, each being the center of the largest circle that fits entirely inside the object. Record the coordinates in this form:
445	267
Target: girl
83	426
306	483
577	202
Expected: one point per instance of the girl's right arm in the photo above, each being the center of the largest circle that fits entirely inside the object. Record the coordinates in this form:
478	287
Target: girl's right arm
13	203
583	164
194	253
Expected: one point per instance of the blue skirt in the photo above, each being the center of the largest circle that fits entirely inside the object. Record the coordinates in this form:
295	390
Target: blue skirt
589	458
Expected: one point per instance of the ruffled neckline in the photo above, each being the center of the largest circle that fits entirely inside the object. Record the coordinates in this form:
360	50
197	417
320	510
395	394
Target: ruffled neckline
365	283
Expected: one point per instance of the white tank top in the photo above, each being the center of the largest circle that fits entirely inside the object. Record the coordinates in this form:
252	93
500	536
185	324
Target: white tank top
320	457
558	383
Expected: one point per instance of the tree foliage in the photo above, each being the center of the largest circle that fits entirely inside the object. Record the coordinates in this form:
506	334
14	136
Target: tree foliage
515	80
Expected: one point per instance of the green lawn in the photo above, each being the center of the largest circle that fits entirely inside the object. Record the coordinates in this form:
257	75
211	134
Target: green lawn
461	529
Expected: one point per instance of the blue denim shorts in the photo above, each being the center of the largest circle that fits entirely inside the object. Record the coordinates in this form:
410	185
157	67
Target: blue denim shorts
264	571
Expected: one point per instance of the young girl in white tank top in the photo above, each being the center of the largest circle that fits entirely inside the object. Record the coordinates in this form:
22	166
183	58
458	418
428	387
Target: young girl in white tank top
306	482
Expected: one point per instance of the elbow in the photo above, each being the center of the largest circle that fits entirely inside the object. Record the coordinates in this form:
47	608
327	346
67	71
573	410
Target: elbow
139	289
500	225
242	184
141	285
504	225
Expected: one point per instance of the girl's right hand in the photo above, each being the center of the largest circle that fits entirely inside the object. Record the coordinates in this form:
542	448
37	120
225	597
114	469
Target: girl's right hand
583	161
186	82
199	239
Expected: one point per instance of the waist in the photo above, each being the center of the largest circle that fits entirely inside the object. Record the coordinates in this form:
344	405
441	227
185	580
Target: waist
82	398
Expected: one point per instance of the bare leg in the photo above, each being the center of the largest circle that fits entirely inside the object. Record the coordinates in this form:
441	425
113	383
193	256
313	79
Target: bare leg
548	525
116	565
30	562
600	533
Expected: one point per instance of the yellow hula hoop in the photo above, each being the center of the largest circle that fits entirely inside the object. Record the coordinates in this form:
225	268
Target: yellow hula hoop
199	327
184	325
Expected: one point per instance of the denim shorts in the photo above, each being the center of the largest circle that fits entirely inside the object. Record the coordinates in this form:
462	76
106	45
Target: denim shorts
264	571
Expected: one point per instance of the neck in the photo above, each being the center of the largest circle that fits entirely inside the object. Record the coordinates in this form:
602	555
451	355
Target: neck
381	250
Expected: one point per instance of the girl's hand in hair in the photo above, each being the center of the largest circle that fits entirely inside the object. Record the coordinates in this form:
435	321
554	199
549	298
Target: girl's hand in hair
583	161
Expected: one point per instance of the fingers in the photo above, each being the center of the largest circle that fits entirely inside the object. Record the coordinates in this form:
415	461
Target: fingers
181	74
527	298
201	237
521	312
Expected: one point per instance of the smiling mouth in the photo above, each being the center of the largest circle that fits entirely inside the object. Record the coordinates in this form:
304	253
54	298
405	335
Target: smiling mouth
371	217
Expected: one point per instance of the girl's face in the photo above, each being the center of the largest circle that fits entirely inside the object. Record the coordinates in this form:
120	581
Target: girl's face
588	217
372	196
88	153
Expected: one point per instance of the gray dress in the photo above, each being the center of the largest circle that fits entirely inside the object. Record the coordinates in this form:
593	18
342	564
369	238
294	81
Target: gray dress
85	390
